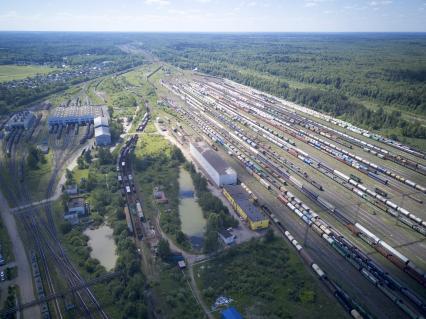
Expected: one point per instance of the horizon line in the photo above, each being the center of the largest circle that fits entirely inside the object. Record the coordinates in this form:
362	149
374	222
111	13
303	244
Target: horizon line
203	32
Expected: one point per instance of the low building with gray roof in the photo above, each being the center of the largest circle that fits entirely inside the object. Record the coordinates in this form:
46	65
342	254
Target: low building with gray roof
216	168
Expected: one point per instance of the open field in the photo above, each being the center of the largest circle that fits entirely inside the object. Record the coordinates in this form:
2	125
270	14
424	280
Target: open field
19	72
264	278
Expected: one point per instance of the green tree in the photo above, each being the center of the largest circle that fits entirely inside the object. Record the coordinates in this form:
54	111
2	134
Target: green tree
180	237
164	249
80	162
33	158
269	236
88	156
65	227
69	176
210	241
105	156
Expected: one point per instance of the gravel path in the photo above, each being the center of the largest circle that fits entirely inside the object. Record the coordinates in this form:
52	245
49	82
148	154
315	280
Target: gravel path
24	279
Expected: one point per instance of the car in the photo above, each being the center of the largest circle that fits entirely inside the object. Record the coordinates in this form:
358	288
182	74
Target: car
2	276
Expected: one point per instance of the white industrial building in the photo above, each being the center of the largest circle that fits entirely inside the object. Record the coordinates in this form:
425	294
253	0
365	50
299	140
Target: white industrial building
218	170
23	119
77	114
102	136
102	133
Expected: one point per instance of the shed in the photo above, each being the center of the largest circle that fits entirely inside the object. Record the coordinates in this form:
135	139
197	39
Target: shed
71	189
226	236
231	313
77	206
181	264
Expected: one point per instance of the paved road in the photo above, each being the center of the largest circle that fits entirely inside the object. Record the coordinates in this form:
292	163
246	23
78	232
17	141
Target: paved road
24	279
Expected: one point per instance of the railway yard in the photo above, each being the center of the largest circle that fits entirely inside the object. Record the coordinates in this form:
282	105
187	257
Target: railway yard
48	258
351	202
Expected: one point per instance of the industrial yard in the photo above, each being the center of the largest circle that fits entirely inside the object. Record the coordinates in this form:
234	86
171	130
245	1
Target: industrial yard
303	159
346	203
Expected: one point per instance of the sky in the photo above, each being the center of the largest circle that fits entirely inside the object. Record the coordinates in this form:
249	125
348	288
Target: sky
214	15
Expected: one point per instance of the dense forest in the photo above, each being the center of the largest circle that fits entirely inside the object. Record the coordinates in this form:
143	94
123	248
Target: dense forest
375	80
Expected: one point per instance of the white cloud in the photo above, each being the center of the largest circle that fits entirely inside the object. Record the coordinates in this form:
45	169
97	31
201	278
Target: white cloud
160	3
380	3
314	3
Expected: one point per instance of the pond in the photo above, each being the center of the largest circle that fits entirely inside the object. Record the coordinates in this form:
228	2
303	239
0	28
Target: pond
103	246
191	214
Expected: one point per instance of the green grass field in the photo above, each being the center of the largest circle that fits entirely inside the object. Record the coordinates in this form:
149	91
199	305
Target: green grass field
266	280
38	179
19	72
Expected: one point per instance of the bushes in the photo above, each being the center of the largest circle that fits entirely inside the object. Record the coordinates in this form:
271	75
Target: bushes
34	158
265	280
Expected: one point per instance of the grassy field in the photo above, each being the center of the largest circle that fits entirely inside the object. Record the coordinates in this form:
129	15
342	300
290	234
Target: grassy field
19	72
156	166
174	295
38	179
265	280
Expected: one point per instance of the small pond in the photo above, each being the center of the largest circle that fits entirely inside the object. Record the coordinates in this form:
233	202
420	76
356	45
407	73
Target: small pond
103	246
191	214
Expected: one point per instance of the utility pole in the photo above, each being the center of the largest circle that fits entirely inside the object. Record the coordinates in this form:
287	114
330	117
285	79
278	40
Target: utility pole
357	212
400	205
305	237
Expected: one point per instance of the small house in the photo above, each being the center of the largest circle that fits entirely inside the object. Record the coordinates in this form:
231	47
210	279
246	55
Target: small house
71	189
226	237
77	205
181	264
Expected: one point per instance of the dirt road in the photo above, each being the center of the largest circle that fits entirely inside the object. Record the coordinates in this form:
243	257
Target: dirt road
24	279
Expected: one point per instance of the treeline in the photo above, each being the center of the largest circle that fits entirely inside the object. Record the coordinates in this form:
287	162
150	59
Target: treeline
55	47
325	101
337	74
16	95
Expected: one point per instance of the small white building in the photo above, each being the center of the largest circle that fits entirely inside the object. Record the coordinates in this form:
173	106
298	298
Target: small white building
226	237
102	136
218	170
100	121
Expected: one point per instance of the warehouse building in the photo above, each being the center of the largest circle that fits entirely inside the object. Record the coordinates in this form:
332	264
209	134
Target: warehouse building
23	119
102	133
217	169
77	114
76	210
102	136
240	201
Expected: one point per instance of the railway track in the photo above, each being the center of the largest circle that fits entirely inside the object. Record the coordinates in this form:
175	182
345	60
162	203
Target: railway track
222	132
45	239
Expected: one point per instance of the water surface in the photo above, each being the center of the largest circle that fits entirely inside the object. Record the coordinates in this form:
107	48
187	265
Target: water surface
191	215
103	246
